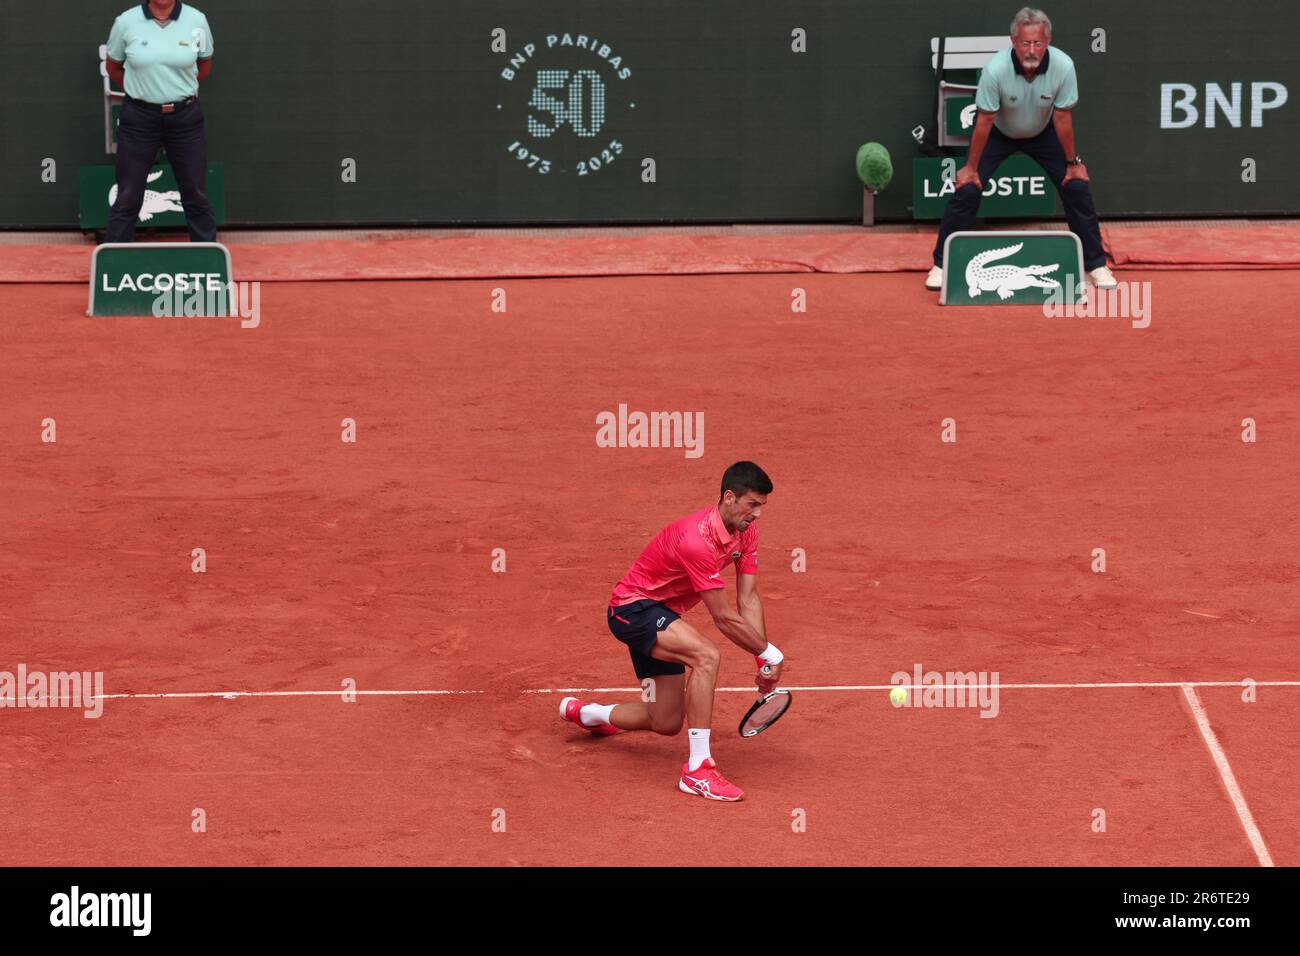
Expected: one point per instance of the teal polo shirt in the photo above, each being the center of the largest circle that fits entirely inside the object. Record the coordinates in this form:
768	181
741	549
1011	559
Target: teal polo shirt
1024	109
161	61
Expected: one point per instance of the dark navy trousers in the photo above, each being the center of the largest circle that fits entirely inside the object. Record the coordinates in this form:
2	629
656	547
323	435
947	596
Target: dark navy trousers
1045	148
141	130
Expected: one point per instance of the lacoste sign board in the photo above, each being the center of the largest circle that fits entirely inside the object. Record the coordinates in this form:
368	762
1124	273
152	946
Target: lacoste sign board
1011	268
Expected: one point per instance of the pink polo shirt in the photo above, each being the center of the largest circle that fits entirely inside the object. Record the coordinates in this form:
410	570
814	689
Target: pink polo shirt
685	558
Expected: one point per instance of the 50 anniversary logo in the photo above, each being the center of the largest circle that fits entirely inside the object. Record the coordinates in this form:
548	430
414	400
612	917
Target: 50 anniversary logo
561	97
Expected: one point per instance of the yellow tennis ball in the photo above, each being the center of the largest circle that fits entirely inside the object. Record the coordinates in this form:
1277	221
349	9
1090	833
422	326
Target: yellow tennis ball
898	696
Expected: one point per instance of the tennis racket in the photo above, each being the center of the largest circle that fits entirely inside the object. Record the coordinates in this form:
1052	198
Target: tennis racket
766	711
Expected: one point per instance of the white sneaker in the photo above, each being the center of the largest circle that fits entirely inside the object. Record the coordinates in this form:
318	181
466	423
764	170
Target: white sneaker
1103	278
934	280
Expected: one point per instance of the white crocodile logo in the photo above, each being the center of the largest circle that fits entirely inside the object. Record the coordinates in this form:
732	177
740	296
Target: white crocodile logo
968	116
154	202
1005	280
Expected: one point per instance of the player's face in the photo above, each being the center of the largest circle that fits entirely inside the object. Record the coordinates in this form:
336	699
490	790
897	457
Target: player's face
741	512
1029	45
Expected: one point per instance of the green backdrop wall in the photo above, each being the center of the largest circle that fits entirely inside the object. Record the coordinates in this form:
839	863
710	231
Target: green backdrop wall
738	126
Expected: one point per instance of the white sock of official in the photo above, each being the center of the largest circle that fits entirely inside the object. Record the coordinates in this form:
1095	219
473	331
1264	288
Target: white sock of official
699	747
593	715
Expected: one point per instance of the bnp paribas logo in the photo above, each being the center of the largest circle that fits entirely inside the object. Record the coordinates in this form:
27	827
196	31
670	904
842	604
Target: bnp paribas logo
562	100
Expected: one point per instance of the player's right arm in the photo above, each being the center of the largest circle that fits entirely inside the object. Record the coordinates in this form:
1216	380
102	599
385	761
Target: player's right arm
701	567
733	627
741	633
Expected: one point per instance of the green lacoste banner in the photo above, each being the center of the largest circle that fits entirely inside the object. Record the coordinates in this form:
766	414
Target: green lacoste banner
1018	190
160	278
162	198
1011	268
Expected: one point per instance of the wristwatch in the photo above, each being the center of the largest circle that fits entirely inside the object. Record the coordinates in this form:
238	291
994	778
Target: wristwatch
1077	161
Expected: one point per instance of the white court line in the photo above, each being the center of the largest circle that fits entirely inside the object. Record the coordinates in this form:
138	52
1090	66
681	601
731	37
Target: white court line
1229	780
232	694
830	687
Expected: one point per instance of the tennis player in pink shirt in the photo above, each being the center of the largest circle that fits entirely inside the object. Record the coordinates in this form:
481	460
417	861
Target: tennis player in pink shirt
682	566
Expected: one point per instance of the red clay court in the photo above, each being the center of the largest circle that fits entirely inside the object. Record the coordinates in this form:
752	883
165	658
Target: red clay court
1121	691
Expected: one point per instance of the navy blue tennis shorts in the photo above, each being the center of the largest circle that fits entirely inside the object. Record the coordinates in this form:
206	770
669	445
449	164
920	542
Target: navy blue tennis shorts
638	625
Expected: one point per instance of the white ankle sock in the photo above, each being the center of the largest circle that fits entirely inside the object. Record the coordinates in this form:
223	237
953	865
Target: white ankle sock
593	715
699	747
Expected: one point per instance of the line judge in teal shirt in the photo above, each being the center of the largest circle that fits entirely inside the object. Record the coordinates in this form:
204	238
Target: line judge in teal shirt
158	52
1025	103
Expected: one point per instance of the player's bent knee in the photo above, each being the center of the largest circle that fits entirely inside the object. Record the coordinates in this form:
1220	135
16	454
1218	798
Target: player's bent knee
666	722
707	656
667	729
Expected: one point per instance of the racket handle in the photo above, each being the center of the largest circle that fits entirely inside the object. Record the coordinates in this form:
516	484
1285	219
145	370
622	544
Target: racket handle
767	668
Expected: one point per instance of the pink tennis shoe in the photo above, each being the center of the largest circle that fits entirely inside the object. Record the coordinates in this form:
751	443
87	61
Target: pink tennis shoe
706	782
571	710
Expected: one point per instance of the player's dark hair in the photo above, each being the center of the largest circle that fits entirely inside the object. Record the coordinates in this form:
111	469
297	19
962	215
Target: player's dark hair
745	476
